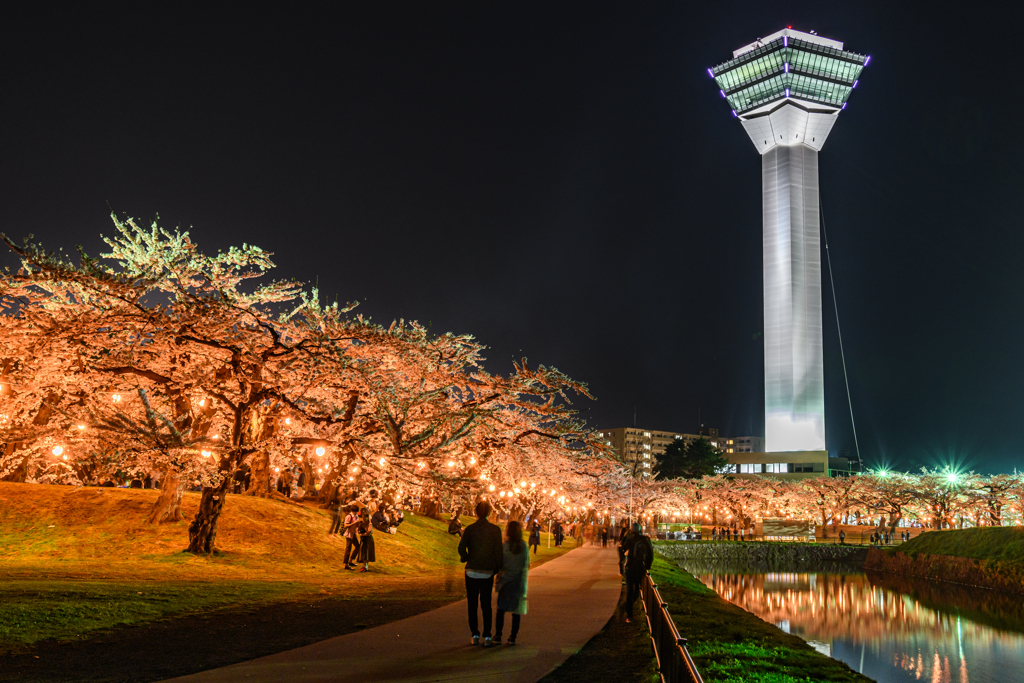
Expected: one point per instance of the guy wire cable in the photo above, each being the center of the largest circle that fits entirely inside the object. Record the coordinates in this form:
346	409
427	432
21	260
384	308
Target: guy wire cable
835	305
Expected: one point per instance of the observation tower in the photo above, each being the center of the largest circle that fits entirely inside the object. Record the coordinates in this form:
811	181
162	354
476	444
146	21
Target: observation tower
787	91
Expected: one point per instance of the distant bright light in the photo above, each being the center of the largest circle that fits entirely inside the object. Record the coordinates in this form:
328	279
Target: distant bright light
952	476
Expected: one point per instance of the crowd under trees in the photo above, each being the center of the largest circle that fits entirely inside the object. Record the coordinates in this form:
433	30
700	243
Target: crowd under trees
157	361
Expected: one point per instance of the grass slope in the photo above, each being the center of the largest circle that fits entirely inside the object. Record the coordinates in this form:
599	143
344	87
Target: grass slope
620	652
1004	545
75	562
731	645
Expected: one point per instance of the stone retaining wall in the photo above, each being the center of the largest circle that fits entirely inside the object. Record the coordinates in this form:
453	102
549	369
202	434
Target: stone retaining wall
766	555
960	570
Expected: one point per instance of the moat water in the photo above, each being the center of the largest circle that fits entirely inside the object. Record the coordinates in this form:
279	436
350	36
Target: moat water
889	628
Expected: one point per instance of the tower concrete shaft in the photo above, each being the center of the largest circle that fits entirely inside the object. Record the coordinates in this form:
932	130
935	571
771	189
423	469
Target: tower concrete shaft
787	90
793	360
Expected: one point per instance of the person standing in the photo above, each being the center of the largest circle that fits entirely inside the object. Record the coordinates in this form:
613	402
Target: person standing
842	537
604	536
512	582
535	536
639	557
481	550
367	550
627	539
351	537
335	516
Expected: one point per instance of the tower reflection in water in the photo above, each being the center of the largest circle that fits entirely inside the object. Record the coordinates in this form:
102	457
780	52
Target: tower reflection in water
888	629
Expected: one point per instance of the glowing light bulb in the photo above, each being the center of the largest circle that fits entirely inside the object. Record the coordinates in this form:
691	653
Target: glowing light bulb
351	478
320	450
383	461
81	426
57	450
116	398
451	463
287	420
215	436
277	469
202	402
502	494
206	454
472	461
491	487
522	484
65	456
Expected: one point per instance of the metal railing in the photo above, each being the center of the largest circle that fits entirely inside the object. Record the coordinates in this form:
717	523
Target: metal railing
674	662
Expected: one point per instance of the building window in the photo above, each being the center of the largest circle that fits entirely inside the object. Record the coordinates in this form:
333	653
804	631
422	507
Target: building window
776	468
750	468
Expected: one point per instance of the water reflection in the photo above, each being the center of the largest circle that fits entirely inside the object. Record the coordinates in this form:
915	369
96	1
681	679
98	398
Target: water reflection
888	628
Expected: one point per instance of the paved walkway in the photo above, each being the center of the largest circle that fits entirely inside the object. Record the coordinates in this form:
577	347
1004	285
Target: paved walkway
571	598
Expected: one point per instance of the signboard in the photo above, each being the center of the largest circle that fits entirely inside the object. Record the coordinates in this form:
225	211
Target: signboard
786	528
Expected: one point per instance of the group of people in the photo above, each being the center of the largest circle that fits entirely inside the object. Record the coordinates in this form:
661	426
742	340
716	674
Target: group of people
727	534
357	527
885	538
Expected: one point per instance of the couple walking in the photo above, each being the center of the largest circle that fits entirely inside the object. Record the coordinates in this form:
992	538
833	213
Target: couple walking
492	564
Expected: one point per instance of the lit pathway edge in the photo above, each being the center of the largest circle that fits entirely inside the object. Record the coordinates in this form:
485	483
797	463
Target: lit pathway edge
571	599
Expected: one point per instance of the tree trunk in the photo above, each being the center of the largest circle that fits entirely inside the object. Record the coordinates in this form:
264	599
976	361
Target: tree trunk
430	507
20	472
310	484
168	506
329	489
202	532
259	484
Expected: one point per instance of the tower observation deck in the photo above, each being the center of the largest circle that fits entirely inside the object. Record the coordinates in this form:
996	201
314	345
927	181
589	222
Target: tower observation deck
787	91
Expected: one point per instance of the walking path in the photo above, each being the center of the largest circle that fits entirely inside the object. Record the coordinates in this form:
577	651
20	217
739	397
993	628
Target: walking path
571	599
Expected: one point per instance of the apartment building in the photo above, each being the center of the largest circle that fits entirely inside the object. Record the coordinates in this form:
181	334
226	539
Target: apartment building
639	449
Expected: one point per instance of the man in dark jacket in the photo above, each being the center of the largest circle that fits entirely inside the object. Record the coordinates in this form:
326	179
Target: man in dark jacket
480	548
639	557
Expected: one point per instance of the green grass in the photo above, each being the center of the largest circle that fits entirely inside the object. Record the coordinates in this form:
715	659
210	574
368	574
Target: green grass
33	611
998	544
75	562
729	644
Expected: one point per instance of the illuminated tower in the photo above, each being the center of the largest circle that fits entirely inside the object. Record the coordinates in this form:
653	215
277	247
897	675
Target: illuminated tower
787	90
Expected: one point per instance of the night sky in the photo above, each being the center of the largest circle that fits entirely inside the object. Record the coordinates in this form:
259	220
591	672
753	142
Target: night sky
565	182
